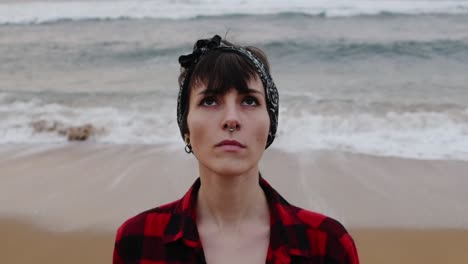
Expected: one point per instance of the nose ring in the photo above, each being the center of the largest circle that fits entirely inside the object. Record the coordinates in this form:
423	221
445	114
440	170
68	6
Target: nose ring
231	129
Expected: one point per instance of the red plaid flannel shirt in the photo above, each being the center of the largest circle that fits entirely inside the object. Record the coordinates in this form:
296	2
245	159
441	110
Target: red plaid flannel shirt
168	234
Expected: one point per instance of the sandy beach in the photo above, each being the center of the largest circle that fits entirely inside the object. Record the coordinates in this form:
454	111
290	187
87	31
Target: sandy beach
94	246
23	242
63	203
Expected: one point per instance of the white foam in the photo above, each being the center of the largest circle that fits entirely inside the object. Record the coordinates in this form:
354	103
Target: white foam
412	135
421	135
113	125
40	12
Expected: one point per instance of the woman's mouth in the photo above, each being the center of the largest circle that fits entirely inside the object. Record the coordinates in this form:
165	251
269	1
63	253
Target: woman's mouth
230	145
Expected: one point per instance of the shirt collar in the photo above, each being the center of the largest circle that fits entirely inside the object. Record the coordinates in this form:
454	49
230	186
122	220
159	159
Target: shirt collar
288	234
182	225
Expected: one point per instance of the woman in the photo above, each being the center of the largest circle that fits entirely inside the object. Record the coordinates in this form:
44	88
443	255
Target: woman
228	114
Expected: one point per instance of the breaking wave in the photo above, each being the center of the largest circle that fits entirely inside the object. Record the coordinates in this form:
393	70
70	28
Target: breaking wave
57	11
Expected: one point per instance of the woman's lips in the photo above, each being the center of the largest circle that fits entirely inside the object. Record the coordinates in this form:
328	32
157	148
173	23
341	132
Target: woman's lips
230	145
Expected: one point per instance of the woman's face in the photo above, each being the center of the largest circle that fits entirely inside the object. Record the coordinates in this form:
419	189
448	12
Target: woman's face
218	149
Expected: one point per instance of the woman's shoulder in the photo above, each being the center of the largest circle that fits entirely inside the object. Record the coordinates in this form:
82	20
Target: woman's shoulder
321	227
319	221
145	234
154	217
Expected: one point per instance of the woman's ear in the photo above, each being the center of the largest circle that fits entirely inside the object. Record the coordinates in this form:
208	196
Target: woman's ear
188	146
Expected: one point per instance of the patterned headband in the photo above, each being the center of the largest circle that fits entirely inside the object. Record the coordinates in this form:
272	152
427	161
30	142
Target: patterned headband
204	46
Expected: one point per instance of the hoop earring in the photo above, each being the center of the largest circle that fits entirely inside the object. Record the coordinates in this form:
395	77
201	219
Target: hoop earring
188	148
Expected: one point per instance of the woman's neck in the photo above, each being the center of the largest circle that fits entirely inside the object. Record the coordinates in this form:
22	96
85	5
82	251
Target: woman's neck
228	203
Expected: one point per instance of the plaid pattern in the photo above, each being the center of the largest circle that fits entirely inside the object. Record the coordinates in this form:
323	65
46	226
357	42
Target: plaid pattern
168	234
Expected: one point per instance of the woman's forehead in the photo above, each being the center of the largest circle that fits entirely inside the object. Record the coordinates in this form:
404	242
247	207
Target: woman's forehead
254	85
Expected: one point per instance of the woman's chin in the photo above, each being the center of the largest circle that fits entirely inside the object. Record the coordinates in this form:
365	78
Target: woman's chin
229	168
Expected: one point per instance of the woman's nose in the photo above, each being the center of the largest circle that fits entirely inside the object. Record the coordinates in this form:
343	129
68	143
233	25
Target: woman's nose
231	120
231	126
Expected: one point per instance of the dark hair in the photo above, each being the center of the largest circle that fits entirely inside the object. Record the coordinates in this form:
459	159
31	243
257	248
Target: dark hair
221	71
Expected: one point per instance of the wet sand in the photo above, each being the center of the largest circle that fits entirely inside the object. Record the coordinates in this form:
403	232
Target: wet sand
411	246
25	243
63	204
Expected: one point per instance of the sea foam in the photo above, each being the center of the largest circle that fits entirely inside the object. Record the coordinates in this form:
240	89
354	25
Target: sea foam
415	134
42	12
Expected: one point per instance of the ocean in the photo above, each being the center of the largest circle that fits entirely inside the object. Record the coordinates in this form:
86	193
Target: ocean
385	78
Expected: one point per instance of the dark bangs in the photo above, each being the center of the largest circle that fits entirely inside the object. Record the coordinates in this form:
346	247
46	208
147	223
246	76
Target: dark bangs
221	71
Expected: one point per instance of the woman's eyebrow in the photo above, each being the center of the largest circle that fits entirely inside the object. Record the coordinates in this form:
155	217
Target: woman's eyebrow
205	92
248	91
251	91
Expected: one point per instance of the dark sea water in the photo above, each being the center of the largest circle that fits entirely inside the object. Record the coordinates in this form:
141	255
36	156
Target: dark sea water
384	78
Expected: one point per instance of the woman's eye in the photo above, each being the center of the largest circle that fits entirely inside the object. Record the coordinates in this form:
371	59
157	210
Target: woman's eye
208	101
251	101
